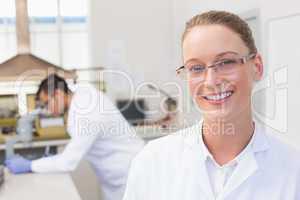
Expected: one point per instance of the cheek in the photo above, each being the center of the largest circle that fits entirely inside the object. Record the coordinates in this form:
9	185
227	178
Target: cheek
246	79
51	109
51	106
244	87
54	107
59	104
194	89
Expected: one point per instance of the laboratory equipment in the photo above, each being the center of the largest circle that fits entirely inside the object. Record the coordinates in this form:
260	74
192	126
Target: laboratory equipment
24	132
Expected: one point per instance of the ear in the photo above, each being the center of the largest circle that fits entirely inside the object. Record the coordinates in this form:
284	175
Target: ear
258	67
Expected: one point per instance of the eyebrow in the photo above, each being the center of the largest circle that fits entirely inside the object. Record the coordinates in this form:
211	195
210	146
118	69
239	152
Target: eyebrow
225	53
216	57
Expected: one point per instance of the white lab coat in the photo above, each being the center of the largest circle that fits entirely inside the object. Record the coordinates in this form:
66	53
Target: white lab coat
100	134
173	168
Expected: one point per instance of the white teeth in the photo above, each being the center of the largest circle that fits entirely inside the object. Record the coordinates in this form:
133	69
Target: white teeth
218	97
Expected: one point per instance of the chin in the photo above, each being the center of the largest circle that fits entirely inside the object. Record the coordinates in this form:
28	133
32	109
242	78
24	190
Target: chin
221	113
218	115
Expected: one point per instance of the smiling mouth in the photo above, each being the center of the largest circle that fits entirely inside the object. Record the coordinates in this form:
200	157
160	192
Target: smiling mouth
219	97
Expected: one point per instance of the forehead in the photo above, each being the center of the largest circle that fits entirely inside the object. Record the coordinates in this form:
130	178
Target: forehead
207	41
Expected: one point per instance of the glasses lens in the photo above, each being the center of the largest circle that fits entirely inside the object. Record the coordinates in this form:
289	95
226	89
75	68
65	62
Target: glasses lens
227	66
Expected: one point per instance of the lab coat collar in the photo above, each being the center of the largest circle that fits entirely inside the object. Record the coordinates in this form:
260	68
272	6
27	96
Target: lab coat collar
193	139
247	164
193	159
260	142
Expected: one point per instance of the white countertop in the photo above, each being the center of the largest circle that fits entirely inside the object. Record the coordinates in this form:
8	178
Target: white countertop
38	186
34	144
145	132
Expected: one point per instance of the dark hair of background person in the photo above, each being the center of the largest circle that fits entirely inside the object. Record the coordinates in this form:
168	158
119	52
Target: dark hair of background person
52	83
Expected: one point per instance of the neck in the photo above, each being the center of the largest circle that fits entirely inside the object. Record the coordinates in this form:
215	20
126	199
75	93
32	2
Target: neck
225	139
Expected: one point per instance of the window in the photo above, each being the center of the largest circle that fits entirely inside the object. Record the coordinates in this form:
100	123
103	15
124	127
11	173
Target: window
59	31
7	30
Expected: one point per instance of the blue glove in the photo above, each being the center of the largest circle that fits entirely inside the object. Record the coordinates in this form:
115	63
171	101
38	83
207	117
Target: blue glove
18	165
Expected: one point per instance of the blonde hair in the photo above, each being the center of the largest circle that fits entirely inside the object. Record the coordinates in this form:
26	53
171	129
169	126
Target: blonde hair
227	19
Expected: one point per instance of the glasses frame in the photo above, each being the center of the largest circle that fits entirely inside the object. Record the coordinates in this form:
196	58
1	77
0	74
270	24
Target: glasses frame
241	60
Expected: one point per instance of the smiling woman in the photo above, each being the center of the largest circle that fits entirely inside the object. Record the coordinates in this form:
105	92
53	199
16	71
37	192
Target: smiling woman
227	155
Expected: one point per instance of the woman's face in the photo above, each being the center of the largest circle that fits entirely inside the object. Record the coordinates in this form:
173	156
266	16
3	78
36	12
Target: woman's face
220	95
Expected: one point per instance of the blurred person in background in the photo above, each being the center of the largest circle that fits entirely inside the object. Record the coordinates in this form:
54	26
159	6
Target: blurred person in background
98	131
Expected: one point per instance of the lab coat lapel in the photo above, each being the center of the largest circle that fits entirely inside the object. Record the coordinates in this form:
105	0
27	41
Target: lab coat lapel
249	164
195	170
246	167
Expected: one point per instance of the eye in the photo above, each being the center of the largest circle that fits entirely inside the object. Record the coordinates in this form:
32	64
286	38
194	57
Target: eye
197	69
227	62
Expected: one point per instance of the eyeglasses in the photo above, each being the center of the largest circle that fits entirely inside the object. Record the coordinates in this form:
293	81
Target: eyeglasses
223	67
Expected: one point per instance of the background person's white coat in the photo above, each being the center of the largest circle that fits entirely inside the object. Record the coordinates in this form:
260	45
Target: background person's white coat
100	134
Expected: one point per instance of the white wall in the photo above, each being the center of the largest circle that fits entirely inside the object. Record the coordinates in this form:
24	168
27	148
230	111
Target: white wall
280	47
134	37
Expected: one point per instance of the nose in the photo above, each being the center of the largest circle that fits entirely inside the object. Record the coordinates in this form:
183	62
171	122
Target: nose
211	77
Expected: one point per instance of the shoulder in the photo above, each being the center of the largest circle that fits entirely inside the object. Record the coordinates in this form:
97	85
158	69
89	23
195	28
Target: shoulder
165	148
85	91
283	154
87	99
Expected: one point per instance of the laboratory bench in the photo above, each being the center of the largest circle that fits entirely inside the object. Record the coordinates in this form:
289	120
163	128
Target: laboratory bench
37	148
58	186
38	186
43	146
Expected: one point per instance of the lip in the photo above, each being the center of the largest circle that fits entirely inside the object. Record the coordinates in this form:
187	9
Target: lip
217	102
